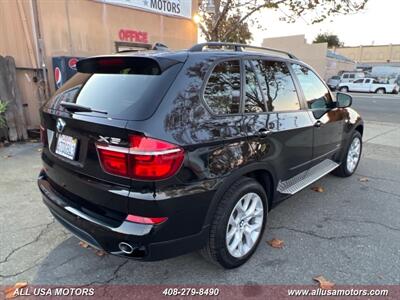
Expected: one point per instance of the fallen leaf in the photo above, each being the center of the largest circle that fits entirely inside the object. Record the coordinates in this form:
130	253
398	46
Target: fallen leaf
100	253
275	243
20	285
363	179
318	189
324	283
10	291
83	244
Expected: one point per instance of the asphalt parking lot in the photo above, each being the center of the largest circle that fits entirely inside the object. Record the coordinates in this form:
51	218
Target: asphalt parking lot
350	233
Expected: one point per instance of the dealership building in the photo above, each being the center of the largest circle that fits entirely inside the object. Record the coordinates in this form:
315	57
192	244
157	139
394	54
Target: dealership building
47	37
326	62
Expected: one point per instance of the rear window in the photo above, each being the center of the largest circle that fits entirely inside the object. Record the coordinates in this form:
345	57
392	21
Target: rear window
128	95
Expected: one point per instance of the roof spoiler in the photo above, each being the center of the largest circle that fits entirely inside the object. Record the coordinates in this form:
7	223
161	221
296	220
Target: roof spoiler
121	64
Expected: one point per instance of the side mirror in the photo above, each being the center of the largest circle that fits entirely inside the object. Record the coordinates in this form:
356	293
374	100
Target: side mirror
343	100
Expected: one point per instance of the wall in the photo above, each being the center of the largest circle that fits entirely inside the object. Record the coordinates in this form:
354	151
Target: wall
312	54
16	35
372	54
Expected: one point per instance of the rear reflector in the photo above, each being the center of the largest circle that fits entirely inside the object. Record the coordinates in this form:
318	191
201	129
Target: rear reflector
146	158
145	220
43	136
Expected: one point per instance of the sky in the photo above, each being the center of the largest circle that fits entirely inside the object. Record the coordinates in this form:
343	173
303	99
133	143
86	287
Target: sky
378	23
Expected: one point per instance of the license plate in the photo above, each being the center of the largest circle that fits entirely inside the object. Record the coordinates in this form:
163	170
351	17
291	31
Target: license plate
66	146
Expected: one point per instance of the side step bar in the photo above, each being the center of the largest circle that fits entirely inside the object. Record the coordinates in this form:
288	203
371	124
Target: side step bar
300	181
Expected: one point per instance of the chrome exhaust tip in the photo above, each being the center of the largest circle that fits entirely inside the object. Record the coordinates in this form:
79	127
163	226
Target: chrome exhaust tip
126	248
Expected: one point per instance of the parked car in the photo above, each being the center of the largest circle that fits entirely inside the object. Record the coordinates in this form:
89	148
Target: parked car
151	155
351	76
369	85
333	82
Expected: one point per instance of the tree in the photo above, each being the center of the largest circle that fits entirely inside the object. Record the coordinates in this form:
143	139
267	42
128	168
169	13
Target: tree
331	39
229	20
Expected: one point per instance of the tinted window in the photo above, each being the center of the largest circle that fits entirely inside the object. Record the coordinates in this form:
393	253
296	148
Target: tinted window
123	96
317	95
352	76
346	76
368	81
253	100
358	81
277	86
222	92
336	77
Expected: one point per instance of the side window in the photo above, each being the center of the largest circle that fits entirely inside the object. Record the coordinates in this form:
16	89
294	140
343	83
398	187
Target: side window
352	76
346	76
368	81
254	102
222	92
277	85
358	81
317	95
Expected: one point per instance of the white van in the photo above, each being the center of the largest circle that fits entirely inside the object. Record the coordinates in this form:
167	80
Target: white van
351	76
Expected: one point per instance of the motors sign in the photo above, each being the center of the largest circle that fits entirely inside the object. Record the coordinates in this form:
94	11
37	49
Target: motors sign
178	8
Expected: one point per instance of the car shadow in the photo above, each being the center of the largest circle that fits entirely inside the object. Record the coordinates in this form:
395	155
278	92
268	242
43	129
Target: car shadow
69	263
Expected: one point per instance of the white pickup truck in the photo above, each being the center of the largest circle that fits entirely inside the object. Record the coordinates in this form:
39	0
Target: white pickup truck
368	85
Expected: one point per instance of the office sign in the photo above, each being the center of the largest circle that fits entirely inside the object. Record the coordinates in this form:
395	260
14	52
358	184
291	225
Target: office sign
130	35
177	8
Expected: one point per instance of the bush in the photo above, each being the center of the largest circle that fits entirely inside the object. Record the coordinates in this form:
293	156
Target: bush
3	108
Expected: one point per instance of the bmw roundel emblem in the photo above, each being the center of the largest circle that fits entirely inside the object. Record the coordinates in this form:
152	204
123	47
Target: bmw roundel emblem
60	125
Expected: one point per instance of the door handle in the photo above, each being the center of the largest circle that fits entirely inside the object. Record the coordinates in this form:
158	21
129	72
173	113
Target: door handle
263	132
318	124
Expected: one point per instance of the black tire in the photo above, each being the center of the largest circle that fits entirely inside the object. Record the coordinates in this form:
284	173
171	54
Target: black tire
342	170
380	89
216	250
344	89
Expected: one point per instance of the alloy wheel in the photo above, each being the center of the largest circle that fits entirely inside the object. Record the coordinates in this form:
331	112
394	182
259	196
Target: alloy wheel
244	225
353	155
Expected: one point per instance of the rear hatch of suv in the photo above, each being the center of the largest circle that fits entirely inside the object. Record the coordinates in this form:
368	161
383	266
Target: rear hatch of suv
92	109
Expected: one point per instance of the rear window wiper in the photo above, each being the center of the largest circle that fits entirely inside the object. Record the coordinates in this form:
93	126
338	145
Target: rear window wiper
80	108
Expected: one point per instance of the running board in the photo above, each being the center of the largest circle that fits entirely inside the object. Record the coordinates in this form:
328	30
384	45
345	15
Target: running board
300	181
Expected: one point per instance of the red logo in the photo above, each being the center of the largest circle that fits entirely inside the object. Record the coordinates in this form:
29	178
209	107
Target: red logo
72	63
57	76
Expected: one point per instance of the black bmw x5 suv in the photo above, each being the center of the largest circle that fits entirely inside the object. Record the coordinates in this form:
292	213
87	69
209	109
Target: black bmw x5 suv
150	155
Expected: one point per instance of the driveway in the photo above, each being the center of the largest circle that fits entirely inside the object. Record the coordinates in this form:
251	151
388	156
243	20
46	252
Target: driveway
349	233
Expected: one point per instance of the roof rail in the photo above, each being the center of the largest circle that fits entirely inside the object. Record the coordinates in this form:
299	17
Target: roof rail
237	47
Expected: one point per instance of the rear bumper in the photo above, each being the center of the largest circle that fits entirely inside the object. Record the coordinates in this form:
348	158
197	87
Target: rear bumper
144	239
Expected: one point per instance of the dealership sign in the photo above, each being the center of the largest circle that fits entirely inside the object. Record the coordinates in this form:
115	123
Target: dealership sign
178	8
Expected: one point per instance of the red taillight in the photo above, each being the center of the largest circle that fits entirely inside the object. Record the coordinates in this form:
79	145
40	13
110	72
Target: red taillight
146	159
114	162
151	159
43	135
145	220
